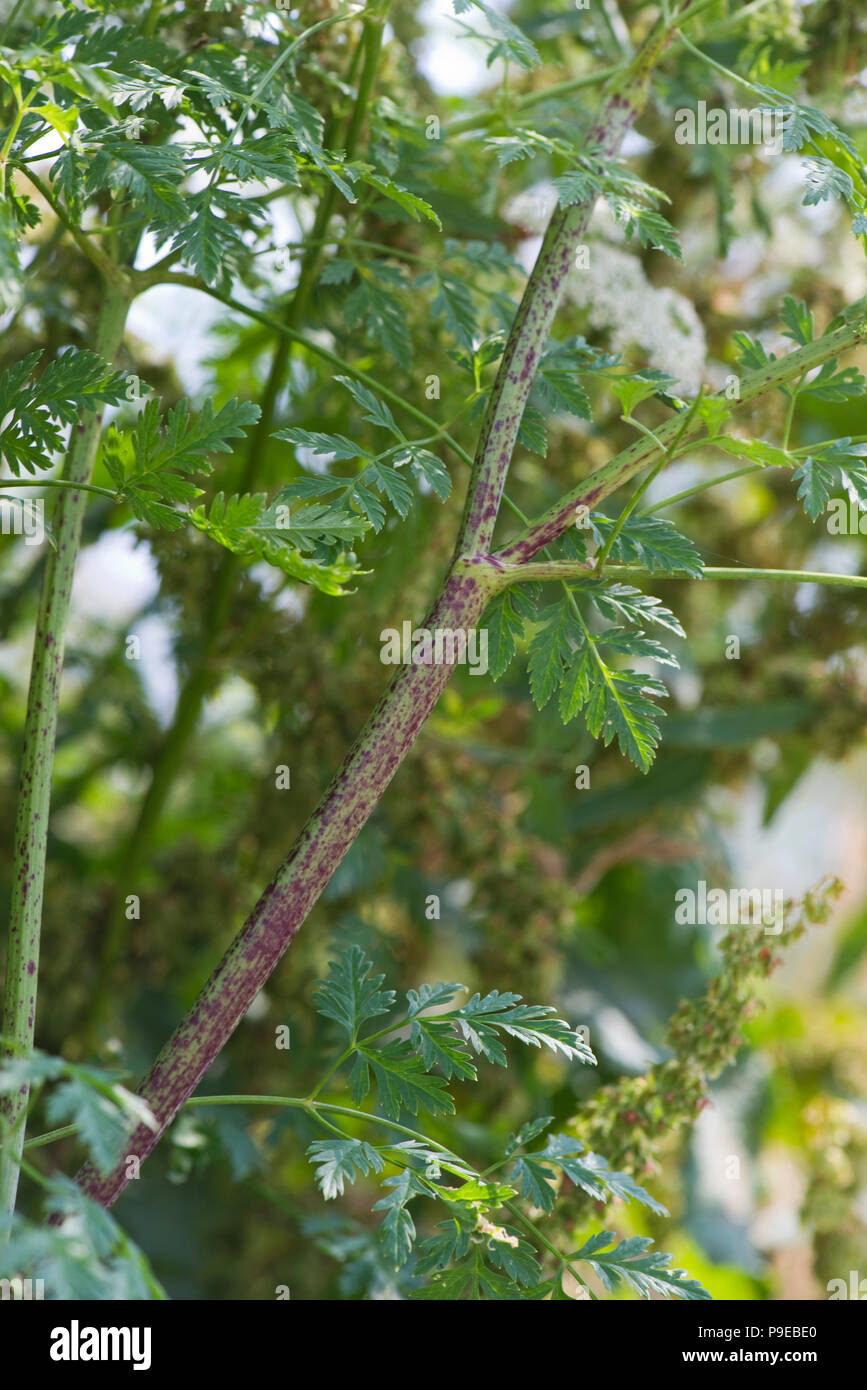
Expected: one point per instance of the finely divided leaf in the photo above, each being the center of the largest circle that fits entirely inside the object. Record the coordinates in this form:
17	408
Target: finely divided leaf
401	1081
164	452
342	1160
553	643
632	1262
397	1231
652	542
591	1173
481	1019
815	481
620	602
350	994
75	382
249	527
375	410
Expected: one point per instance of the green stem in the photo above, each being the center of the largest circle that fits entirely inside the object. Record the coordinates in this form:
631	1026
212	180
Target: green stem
34	796
13	131
11	20
826	444
108	269
344	1057
288	1102
51	1136
546	1244
718	68
790	413
302	1103
741	472
850	581
152	18
283	330
654	472
561	571
703	487
57	482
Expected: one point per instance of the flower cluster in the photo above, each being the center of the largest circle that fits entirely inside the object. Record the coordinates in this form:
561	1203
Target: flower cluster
629	1119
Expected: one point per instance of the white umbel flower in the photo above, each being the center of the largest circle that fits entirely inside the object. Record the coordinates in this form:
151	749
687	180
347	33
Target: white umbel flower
660	321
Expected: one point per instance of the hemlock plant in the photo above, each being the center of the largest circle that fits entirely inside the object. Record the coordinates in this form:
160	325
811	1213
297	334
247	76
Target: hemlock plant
156	146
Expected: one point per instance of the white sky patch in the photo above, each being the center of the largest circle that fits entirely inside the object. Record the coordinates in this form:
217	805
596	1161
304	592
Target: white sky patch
177	323
114	578
234	700
157	666
455	65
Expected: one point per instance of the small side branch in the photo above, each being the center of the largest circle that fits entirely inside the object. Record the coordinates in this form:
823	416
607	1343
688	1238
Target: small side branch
644	454
556	571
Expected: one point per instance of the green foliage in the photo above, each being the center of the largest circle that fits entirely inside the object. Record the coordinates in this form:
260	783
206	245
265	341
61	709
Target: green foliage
86	1255
249	527
630	1262
342	1160
508	41
350	994
188	142
471	1257
504	622
797	321
755	451
33	408
536	1174
376	476
151	465
83	1253
632	390
833	168
651	542
102	1110
565	654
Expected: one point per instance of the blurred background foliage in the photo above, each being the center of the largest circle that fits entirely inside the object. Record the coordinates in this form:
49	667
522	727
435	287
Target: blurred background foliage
563	894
